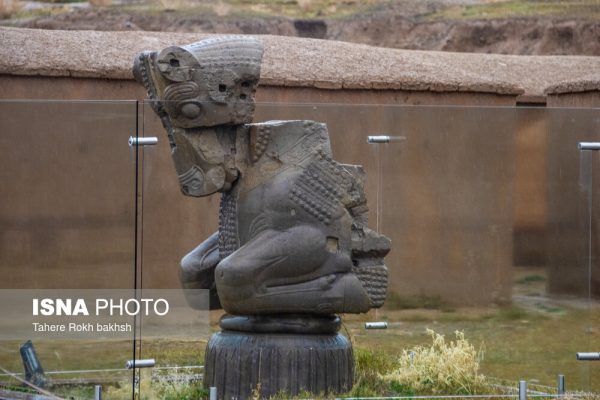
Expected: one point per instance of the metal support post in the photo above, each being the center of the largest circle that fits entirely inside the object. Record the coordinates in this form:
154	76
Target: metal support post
522	390
98	392
561	385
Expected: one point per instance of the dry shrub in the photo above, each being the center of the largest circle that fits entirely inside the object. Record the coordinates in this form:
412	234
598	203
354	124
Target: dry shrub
177	4
100	3
9	7
222	9
305	5
439	369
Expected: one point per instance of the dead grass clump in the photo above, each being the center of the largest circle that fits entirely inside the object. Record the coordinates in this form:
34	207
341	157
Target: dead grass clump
9	7
179	5
100	3
441	368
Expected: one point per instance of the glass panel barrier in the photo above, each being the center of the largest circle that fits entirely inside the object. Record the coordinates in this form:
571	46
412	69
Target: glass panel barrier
67	236
481	205
171	225
586	281
490	229
572	224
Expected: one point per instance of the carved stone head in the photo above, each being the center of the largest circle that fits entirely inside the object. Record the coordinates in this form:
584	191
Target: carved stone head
204	84
203	92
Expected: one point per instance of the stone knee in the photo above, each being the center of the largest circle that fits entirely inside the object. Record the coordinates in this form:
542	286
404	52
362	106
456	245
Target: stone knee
196	267
234	280
187	268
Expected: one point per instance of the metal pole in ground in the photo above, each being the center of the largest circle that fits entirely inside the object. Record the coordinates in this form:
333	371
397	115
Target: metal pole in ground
522	390
98	392
213	393
561	385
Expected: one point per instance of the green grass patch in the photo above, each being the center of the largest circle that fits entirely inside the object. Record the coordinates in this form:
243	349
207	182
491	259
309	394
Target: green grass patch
40	12
436	367
511	313
306	8
521	8
529	279
520	343
172	386
395	301
370	366
62	1
261	8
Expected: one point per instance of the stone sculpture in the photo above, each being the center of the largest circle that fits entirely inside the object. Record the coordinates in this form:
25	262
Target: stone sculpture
293	248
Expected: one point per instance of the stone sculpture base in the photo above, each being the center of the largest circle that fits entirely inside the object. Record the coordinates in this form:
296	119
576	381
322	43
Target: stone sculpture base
238	363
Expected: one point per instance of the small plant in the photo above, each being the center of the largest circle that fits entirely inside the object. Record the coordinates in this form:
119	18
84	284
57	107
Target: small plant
100	3
441	368
160	387
512	313
178	5
529	279
370	366
9	7
190	391
394	301
256	392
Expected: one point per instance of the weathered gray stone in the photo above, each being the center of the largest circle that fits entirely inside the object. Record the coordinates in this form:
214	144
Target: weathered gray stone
282	323
577	84
293	248
293	62
299	62
245	365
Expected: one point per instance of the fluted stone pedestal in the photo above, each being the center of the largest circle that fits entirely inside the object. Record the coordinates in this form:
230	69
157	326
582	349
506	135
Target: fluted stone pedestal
237	363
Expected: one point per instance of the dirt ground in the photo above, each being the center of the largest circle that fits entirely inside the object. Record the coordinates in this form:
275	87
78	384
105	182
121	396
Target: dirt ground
509	27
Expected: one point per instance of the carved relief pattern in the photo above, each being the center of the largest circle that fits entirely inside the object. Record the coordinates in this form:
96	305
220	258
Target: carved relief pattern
374	279
263	138
228	234
321	187
297	153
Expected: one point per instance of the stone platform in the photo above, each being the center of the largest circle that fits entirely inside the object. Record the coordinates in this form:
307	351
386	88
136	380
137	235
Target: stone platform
238	363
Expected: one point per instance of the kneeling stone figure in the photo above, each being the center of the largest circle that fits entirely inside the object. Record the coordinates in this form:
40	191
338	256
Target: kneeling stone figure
293	248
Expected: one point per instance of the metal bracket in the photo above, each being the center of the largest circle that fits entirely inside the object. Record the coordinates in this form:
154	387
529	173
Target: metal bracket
378	139
376	325
588	356
384	139
589	145
149	363
142	141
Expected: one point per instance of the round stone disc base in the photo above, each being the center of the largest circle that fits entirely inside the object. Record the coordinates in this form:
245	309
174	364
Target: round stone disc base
240	364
